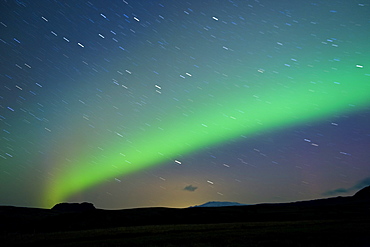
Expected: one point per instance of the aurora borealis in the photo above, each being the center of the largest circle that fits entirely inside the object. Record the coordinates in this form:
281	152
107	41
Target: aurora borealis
126	103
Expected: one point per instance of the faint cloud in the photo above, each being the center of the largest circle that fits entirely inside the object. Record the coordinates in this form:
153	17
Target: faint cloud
336	192
190	188
360	185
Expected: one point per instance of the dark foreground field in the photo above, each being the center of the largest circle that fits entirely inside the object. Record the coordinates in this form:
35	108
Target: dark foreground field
296	233
340	221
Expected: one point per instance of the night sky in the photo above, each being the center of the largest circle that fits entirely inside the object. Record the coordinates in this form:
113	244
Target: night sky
143	103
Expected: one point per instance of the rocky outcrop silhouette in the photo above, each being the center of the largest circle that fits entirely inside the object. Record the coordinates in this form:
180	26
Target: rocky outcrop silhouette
74	207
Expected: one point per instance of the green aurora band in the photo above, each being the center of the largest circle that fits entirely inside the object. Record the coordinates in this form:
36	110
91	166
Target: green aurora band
226	117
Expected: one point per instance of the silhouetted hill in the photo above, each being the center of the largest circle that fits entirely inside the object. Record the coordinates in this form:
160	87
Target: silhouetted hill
74	207
65	217
363	194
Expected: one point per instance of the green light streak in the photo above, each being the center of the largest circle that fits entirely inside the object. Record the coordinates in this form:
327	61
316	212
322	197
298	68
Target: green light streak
235	115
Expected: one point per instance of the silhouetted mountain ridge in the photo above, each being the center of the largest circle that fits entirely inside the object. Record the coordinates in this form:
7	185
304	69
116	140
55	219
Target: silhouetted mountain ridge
18	219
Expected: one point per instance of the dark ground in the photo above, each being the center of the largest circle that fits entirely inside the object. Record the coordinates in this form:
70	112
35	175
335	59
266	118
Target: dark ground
290	233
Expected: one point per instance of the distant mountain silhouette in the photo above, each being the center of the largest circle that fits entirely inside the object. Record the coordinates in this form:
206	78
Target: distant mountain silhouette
219	204
74	207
